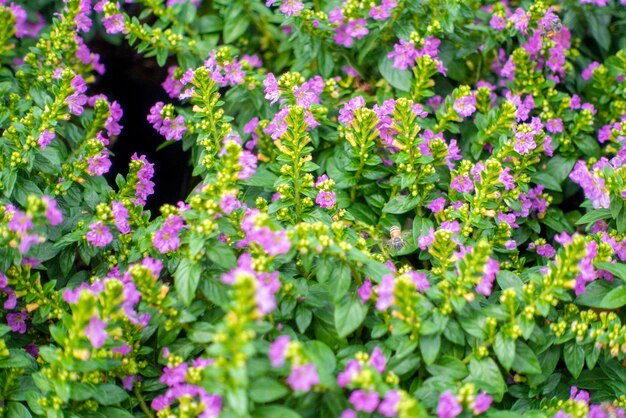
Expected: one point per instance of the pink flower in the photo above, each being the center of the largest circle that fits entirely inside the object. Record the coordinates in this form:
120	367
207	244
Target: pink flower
448	406
325	199
99	234
277	350
364	401
45	138
53	213
465	106
303	378
385	292
17	321
95	331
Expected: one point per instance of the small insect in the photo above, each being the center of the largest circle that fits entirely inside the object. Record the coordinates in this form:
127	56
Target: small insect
396	238
551	29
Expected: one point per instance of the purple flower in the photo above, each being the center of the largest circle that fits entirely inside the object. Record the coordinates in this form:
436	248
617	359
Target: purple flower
524	142
46	137
554	125
277	350
229	203
389	406
154	117
588	72
17	321
234	73
128	382
291	7
365	291
520	21
353	367
114	23
465	106
144	186
546	250
593	186
482	403
462	184
325	199
346	113
492	267
303	378
99	234
507	179
32	349
20	222
166	238
385	292
425	240
271	88
348	413
357	28
53	213
419	280
95	331
99	164
403	54
579	394
378	360
248	162
497	22
448	406
364	401
173	376
75	103
587	272
120	217
173	129
437	205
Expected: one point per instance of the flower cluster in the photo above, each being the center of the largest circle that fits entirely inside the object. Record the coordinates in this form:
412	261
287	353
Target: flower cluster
395	208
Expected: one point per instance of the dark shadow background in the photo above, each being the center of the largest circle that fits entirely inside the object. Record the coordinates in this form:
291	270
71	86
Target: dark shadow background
135	82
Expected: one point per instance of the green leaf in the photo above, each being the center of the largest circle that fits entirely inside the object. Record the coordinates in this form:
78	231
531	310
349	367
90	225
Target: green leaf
429	346
574	356
617	269
267	390
18	359
525	359
304	316
593	216
322	356
109	394
340	281
236	24
547	180
401	204
222	255
397	78
616	298
506	280
448	366
603	295
115	413
588	146
504	347
186	279
349	314
486	376
17	410
275	411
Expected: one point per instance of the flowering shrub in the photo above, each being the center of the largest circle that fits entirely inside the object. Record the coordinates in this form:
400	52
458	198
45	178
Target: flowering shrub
404	208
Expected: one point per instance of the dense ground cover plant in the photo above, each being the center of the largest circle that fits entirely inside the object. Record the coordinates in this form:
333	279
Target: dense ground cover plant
492	134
